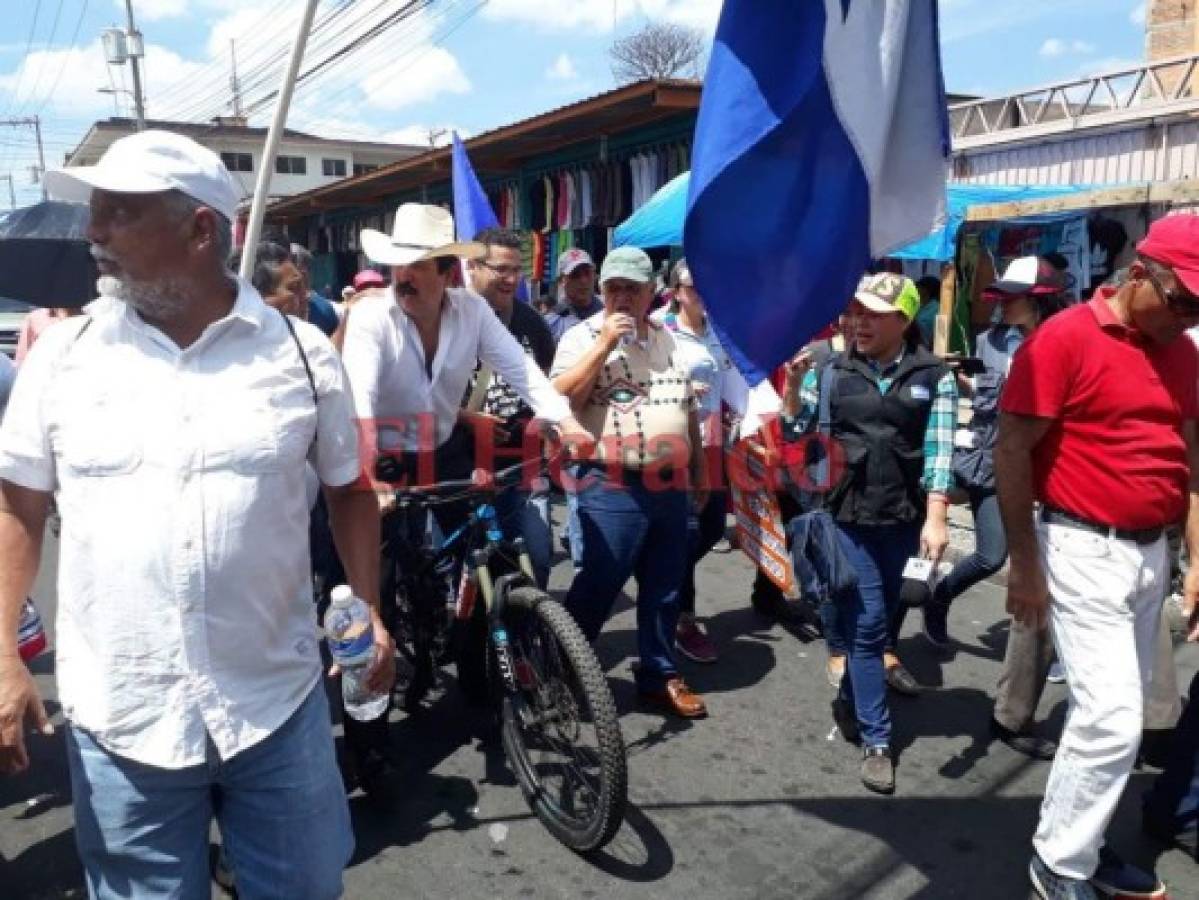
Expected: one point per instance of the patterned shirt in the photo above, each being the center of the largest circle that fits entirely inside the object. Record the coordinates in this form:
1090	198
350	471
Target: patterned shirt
938	435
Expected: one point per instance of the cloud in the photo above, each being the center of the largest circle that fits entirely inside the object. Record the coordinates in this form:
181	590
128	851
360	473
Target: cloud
154	10
434	73
1137	15
76	74
563	69
1058	47
602	15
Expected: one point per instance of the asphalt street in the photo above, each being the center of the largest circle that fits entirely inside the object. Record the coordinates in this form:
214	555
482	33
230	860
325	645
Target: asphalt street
760	800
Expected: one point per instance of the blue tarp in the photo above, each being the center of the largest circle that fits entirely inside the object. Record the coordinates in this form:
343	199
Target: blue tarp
659	223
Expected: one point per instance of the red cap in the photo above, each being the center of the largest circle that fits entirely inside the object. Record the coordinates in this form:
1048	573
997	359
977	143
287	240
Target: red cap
368	278
1174	242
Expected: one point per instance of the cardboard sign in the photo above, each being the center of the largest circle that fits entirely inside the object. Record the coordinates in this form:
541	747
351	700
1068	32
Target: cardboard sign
760	532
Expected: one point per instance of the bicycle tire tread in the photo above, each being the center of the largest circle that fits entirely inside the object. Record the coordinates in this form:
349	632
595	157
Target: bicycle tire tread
594	684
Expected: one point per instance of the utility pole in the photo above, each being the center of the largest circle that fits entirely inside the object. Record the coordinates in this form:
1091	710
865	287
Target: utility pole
136	51
233	82
12	194
36	124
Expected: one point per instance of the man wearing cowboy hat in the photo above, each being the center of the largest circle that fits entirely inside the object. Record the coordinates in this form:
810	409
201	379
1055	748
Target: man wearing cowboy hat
410	351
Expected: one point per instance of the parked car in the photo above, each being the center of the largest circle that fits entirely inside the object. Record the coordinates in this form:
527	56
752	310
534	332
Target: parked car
12	315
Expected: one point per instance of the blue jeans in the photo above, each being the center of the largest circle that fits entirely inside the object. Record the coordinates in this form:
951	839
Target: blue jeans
631	530
142	831
990	549
574	536
704	530
869	616
527	514
1173	801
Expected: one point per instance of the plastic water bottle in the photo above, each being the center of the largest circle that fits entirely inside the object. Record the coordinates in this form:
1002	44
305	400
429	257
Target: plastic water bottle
352	645
31	635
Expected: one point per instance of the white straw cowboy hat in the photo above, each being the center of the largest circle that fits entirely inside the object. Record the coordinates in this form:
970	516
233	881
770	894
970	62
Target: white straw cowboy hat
420	232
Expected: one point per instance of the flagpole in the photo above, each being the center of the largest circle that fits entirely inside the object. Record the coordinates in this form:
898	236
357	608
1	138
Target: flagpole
261	188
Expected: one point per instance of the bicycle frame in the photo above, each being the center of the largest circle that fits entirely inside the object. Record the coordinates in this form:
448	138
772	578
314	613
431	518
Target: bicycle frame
482	531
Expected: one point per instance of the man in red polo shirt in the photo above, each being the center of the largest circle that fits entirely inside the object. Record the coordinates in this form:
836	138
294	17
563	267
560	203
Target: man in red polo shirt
1098	426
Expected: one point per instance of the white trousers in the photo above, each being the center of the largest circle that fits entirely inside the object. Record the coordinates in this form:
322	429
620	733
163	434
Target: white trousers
1105	609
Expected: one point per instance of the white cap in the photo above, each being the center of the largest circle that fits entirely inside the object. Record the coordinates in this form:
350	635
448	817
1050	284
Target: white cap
151	162
341	595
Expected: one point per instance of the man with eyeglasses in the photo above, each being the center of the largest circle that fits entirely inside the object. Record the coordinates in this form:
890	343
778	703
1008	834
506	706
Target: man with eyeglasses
497	414
1098	426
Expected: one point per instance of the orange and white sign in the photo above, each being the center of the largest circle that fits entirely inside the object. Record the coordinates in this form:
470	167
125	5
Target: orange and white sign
760	532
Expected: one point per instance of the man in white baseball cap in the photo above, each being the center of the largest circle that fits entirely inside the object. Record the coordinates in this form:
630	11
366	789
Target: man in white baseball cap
151	162
576	283
173	424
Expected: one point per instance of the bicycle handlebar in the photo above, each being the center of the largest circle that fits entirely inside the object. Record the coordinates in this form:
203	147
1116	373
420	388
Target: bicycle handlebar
451	491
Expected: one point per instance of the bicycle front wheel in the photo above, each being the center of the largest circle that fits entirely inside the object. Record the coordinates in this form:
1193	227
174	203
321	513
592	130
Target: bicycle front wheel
560	728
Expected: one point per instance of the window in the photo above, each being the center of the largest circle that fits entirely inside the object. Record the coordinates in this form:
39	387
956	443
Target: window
291	165
333	168
363	168
238	162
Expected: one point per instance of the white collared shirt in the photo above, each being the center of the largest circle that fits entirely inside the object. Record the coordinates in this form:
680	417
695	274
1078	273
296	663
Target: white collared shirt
185	607
385	361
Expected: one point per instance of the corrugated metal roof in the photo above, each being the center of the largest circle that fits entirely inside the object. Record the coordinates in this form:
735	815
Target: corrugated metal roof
1143	152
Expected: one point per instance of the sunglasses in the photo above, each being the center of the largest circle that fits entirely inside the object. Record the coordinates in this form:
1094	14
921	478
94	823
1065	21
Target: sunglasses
1183	304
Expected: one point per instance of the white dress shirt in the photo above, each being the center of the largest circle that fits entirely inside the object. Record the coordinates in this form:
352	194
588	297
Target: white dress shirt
185	607
386	364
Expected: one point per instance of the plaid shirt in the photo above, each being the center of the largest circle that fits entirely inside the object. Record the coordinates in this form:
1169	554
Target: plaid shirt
938	435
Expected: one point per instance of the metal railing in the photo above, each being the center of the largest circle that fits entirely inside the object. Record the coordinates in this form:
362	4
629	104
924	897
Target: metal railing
1165	86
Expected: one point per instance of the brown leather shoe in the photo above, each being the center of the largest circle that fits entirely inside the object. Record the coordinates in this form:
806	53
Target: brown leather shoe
677	698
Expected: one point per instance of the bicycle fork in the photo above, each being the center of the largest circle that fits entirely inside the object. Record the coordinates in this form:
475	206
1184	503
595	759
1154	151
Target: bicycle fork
479	574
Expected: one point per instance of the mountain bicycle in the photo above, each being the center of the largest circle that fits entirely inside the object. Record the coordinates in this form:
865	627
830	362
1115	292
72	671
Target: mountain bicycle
471	597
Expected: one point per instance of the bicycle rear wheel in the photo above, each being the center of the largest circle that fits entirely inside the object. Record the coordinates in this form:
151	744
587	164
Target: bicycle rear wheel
560	729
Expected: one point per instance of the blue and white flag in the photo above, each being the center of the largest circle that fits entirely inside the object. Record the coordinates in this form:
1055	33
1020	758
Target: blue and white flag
821	145
472	209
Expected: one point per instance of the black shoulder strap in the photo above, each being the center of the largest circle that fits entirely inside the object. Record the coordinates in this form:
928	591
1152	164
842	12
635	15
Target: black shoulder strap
303	356
826	384
82	328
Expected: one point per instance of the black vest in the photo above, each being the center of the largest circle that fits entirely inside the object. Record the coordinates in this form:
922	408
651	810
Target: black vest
882	436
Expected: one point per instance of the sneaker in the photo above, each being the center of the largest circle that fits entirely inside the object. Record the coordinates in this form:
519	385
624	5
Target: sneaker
936	624
1057	674
1031	745
1051	886
878	773
834	670
900	680
1116	878
691	641
847	719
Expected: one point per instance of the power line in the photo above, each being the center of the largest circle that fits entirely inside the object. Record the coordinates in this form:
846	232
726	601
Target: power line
401	62
70	49
41	69
406	13
263	56
185	86
25	59
327	31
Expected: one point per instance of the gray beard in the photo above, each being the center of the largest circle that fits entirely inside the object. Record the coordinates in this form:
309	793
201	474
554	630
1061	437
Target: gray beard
160	300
